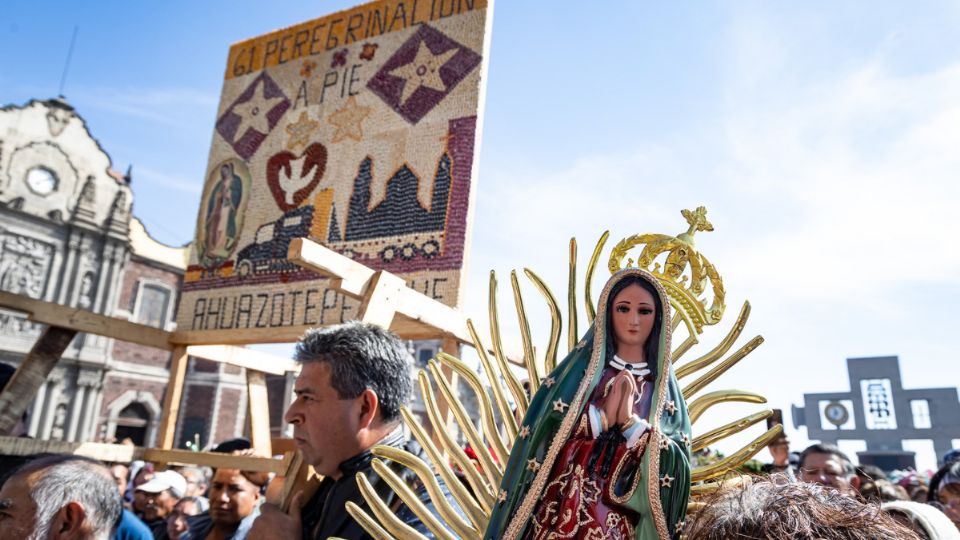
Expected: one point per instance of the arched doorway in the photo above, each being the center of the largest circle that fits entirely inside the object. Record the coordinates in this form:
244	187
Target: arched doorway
132	423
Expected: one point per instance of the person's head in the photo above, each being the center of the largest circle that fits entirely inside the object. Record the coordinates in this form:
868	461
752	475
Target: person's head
160	494
777	508
353	381
120	474
198	480
59	497
827	465
945	490
144	474
927	521
882	490
950	456
234	495
634	316
177	519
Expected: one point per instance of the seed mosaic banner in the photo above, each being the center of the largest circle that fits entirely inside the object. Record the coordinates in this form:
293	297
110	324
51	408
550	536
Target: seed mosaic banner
356	130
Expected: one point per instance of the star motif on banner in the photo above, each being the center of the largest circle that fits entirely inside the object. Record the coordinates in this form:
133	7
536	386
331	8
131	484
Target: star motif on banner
549	382
300	131
424	70
559	405
671	407
664	443
349	120
525	432
253	113
533	465
666	481
502	496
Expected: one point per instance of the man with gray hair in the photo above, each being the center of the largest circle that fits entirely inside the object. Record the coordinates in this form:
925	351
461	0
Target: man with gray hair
354	379
62	496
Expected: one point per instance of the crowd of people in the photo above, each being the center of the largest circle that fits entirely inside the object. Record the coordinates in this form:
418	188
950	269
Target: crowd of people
353	381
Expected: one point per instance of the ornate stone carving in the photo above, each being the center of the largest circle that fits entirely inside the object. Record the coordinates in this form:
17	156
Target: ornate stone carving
24	265
17	325
119	207
89	378
57	119
88	289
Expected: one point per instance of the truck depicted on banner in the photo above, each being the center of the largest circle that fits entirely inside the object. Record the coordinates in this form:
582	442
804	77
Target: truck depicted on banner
267	254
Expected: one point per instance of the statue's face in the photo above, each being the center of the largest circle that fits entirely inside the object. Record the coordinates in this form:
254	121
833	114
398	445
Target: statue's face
633	315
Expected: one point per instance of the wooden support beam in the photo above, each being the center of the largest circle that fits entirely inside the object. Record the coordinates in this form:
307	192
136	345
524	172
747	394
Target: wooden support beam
245	358
258	409
283	445
383	301
123	453
420	312
32	373
171	401
81	320
299	476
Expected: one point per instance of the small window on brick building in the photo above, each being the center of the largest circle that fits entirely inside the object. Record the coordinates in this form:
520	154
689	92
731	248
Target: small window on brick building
921	413
154	305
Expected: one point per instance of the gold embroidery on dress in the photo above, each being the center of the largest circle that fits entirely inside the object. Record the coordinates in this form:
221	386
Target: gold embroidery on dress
574	482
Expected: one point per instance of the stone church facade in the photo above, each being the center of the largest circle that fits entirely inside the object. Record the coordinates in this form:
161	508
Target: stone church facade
67	235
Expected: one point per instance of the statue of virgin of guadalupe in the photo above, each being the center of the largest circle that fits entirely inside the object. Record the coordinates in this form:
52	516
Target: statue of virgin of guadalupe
603	450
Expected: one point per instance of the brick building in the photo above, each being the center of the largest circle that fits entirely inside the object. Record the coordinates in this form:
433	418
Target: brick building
67	235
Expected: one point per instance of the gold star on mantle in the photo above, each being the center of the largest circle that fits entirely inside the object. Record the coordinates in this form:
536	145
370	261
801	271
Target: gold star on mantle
349	120
502	496
533	465
685	439
549	382
424	70
300	131
524	432
671	407
666	481
559	405
680	525
253	113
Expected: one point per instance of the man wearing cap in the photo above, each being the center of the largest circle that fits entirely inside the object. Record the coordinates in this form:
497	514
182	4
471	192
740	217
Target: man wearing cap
161	494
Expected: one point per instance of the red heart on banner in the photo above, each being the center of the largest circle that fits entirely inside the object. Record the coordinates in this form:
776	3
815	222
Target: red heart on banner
291	178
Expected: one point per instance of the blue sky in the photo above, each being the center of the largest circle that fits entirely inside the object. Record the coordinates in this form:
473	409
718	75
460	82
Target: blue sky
823	137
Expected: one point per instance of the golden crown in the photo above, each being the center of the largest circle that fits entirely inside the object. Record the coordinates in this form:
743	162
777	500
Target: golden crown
684	287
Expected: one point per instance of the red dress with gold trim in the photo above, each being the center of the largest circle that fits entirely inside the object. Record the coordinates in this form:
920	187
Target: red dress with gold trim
579	499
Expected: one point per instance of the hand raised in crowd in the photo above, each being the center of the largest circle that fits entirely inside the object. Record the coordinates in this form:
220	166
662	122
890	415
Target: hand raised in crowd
274	523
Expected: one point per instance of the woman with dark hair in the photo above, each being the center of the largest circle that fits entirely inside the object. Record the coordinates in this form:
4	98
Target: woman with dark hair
603	451
945	491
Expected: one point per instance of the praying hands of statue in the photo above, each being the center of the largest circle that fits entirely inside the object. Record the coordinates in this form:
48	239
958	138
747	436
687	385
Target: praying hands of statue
618	403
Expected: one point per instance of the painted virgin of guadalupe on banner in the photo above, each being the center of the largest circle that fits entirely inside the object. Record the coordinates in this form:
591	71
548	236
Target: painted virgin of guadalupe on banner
603	449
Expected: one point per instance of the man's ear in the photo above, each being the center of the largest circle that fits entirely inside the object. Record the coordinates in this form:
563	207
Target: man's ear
69	521
855	482
369	408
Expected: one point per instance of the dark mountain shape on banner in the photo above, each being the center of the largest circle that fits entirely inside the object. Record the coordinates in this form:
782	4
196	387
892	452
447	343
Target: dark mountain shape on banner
400	212
334	234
